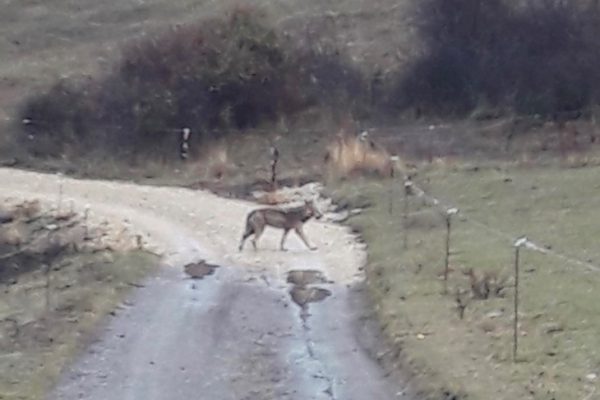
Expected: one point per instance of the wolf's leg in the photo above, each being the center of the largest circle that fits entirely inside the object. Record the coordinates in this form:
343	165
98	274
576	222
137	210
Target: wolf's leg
247	233
285	232
300	233
258	231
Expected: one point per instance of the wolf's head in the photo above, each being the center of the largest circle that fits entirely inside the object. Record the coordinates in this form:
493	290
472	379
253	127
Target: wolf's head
311	210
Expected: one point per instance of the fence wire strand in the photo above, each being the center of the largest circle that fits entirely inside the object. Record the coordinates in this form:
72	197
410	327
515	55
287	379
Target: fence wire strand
530	244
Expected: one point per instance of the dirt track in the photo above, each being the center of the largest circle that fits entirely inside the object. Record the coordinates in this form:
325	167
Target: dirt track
233	335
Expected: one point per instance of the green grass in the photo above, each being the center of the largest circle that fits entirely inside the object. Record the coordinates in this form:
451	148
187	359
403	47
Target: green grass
553	207
86	287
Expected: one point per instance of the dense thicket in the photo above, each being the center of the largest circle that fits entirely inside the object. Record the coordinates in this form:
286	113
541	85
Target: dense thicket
536	57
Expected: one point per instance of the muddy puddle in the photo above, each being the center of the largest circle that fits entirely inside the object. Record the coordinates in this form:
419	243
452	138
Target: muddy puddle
306	277
303	290
200	269
304	295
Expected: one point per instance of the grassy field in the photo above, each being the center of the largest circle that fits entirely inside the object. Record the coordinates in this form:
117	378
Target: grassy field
558	354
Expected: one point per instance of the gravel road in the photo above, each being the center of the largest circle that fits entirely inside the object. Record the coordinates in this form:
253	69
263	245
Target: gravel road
236	334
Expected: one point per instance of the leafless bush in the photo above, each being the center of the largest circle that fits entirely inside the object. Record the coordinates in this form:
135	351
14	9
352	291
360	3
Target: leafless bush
485	285
216	76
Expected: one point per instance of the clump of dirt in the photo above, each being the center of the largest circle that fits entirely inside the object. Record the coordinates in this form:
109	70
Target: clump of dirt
200	269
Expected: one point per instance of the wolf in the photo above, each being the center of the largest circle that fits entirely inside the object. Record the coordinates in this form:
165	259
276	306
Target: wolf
278	218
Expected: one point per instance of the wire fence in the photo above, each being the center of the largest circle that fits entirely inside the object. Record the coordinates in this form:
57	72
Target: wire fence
530	244
515	243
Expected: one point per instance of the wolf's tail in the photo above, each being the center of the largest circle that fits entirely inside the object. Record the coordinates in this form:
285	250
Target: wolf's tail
248	230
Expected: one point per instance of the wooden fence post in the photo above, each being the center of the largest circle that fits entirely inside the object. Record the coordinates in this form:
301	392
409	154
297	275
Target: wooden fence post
86	215
393	161
60	193
184	143
408	190
449	214
274	161
518	244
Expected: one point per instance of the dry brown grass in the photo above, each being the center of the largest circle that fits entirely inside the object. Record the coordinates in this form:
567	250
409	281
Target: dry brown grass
349	155
214	162
28	210
271	198
12	235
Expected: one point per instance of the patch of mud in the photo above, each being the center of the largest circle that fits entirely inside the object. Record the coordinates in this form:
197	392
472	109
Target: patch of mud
302	291
303	295
306	277
200	269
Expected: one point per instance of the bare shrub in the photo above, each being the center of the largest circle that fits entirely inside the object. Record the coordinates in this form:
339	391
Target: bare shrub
485	285
215	160
217	76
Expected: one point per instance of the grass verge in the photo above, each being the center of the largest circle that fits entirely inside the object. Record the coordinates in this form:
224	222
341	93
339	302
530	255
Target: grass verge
35	344
472	357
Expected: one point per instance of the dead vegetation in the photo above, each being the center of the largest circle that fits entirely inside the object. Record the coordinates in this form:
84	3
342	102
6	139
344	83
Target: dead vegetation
485	284
271	198
352	155
217	162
